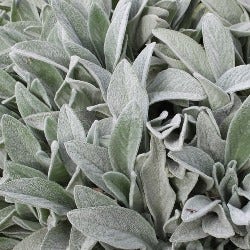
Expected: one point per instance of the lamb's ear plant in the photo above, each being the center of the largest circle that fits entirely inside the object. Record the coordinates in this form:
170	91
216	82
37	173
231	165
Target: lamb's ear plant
124	124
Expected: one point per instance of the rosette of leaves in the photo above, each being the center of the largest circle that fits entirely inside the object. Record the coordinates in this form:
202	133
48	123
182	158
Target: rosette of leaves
124	124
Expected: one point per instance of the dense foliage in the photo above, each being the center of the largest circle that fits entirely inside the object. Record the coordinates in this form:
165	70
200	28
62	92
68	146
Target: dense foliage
125	124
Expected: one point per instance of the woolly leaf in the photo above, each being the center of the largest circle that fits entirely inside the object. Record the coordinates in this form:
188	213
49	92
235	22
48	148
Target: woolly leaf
175	84
28	191
125	139
160	197
116	226
218	45
239	135
187	50
115	37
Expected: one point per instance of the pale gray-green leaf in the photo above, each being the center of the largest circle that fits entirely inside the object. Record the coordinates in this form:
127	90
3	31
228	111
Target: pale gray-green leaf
38	192
237	143
218	45
159	195
115	37
175	84
116	226
125	139
187	50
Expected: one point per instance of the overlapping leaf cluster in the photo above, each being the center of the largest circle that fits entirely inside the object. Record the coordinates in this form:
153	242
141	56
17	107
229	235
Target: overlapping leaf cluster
125	124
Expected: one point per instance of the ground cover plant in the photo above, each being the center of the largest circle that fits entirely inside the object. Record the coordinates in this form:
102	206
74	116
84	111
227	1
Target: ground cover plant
124	124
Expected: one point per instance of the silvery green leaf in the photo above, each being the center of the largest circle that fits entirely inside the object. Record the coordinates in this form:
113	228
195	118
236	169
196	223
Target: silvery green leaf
69	128
122	149
185	186
208	137
171	225
146	25
57	171
40	91
24	11
142	63
18	171
125	87
245	4
76	239
8	243
119	185
50	129
175	84
48	20
93	160
37	120
239	216
195	160
239	135
158	11
136	201
101	108
26	224
78	178
216	96
33	241
6	216
159	195
47	74
42	51
182	7
74	49
98	32
241	29
188	231
196	207
217	224
27	103
20	144
115	37
100	132
116	226
224	9
73	22
228	182
163	52
87	197
235	79
218	44
57	237
16	232
187	50
7	85
99	74
28	191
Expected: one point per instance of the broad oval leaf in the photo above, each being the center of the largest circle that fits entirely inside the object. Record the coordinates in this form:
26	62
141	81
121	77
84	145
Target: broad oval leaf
116	226
235	79
175	84
27	103
187	50
87	197
42	51
40	193
20	144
